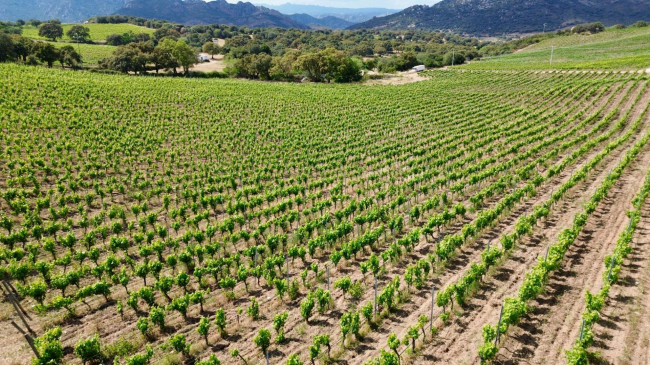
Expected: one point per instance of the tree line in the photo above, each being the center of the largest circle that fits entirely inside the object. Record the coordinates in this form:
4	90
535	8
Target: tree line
15	48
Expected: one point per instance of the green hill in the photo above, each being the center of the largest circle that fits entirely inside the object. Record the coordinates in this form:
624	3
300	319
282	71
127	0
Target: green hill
495	17
98	32
627	48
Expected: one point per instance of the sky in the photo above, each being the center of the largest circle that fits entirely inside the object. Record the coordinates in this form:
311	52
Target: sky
391	4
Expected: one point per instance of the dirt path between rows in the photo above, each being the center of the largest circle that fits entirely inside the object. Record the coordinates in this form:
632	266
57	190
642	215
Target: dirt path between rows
400	78
328	323
457	343
622	336
454	335
554	324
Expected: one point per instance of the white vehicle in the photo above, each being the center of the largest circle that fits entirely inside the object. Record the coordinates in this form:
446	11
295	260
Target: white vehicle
418	68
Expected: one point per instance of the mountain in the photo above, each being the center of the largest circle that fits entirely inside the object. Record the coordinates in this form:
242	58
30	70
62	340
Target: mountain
64	10
327	22
192	12
495	17
352	15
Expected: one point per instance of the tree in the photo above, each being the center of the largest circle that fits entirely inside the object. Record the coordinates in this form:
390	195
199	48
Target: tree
49	348
46	52
7	52
162	57
79	33
204	328
51	30
88	350
115	40
282	68
210	48
347	71
127	58
68	56
254	66
23	47
185	55
312	65
263	340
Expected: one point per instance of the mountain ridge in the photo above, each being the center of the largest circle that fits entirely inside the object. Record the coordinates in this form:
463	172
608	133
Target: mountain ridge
494	17
328	22
64	10
194	12
352	15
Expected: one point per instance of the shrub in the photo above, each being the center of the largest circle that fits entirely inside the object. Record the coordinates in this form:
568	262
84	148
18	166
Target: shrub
88	350
48	346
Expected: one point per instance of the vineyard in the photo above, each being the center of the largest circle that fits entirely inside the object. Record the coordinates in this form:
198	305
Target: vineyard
612	49
479	216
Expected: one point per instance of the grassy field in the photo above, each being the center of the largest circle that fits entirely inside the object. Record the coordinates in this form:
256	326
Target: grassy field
91	53
613	49
98	32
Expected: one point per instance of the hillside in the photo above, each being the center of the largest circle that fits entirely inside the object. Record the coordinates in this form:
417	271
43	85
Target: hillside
64	10
98	32
192	12
495	17
612	49
330	22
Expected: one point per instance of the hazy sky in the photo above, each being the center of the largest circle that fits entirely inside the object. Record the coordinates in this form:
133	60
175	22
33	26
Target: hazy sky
392	4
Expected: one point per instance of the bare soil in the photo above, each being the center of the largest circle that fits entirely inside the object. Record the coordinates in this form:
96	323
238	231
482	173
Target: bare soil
399	78
216	64
624	328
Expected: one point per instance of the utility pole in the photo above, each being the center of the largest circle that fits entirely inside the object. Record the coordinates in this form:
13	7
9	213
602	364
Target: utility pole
552	49
453	57
433	295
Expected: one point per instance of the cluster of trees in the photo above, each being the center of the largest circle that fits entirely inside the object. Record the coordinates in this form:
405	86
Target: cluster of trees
138	57
14	48
121	19
327	65
53	30
240	41
591	28
126	38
